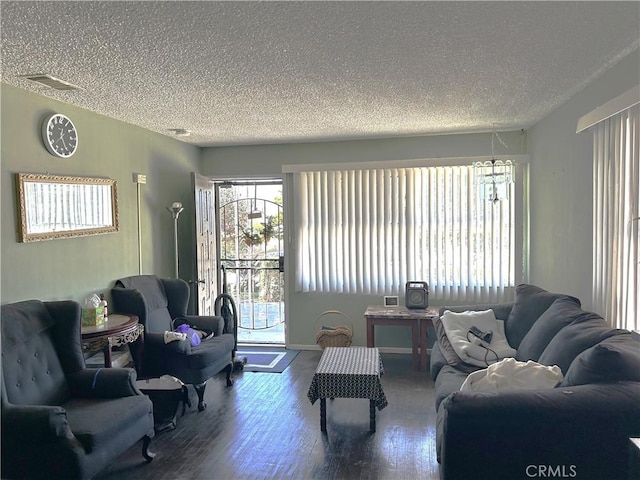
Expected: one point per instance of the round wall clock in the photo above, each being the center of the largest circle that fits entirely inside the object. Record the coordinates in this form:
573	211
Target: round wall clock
59	135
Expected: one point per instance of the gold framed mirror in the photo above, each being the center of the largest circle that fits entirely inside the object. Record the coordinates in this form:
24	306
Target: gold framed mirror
57	206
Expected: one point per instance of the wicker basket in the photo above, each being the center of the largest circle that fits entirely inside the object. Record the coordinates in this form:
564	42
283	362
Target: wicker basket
330	336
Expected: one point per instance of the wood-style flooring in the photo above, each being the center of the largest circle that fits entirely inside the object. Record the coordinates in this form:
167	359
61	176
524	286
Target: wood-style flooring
264	427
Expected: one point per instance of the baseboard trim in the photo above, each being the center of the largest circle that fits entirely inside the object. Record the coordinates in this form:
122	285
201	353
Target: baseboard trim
398	350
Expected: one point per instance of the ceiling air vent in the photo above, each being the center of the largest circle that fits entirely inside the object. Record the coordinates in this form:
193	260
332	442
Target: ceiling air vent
180	132
51	82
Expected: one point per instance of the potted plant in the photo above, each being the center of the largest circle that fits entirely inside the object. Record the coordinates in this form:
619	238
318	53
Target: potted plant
250	239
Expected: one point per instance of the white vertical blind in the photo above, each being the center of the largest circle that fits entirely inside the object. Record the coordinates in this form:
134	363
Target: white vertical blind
370	231
616	206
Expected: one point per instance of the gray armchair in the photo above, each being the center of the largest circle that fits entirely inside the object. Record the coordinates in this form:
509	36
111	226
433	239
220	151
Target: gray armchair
60	419
161	305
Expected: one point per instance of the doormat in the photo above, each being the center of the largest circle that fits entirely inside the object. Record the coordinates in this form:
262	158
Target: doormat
272	360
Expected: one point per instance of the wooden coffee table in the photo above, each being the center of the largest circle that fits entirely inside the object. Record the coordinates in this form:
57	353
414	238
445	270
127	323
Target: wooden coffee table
348	372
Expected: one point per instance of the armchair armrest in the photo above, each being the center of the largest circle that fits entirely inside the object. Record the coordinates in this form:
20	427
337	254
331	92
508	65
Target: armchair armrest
104	383
155	341
34	423
213	323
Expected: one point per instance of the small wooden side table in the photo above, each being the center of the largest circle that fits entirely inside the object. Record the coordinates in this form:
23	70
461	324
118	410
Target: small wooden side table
418	319
118	329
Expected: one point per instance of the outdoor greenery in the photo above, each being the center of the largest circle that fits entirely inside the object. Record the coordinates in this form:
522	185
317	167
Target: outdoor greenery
251	234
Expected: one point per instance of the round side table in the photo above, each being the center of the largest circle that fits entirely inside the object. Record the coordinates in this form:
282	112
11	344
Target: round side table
118	329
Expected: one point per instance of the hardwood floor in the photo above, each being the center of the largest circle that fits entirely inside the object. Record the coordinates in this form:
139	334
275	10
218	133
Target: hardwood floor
264	427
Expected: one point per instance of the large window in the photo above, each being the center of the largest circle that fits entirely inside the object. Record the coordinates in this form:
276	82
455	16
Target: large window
370	231
616	206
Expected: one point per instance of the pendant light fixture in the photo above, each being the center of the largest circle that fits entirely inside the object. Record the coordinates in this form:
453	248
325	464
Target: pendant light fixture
255	213
494	176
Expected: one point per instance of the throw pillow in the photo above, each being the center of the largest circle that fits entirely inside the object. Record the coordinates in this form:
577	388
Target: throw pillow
574	339
457	328
530	302
447	350
615	359
561	313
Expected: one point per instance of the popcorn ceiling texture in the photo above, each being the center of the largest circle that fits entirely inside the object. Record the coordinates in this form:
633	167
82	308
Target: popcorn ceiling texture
276	72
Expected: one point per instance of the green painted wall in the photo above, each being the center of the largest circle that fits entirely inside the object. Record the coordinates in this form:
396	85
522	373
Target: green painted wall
562	186
73	268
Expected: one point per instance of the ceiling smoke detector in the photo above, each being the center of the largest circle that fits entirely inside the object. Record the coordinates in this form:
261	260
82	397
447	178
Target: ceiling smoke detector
51	82
180	132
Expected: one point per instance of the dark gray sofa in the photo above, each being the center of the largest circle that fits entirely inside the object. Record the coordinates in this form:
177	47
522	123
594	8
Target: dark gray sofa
60	419
579	429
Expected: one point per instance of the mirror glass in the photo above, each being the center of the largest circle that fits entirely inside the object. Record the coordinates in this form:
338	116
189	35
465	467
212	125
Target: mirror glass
55	206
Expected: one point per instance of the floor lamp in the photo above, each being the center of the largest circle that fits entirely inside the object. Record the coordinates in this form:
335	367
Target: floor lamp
175	209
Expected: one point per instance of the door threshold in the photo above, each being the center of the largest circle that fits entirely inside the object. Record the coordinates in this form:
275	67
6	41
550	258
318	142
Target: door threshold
262	345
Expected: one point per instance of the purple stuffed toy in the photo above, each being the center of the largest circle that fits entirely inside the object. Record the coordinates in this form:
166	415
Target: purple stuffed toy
192	335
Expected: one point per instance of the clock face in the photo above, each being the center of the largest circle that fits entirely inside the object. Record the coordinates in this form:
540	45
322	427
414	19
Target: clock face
59	135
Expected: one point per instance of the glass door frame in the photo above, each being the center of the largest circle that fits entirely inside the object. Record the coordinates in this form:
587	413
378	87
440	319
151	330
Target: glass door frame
249	236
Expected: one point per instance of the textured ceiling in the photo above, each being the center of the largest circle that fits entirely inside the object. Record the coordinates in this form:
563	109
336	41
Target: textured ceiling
276	72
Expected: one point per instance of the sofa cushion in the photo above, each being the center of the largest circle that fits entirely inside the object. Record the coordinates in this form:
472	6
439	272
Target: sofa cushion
436	361
615	359
574	339
449	380
561	313
530	302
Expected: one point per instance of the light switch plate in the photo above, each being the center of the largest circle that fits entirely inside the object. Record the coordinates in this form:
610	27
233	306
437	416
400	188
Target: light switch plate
139	178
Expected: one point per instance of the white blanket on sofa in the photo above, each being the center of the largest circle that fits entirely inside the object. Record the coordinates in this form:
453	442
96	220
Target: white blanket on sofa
509	374
456	326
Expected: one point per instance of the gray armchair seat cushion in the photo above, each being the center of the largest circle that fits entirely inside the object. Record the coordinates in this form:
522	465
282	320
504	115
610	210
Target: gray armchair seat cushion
93	421
208	351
